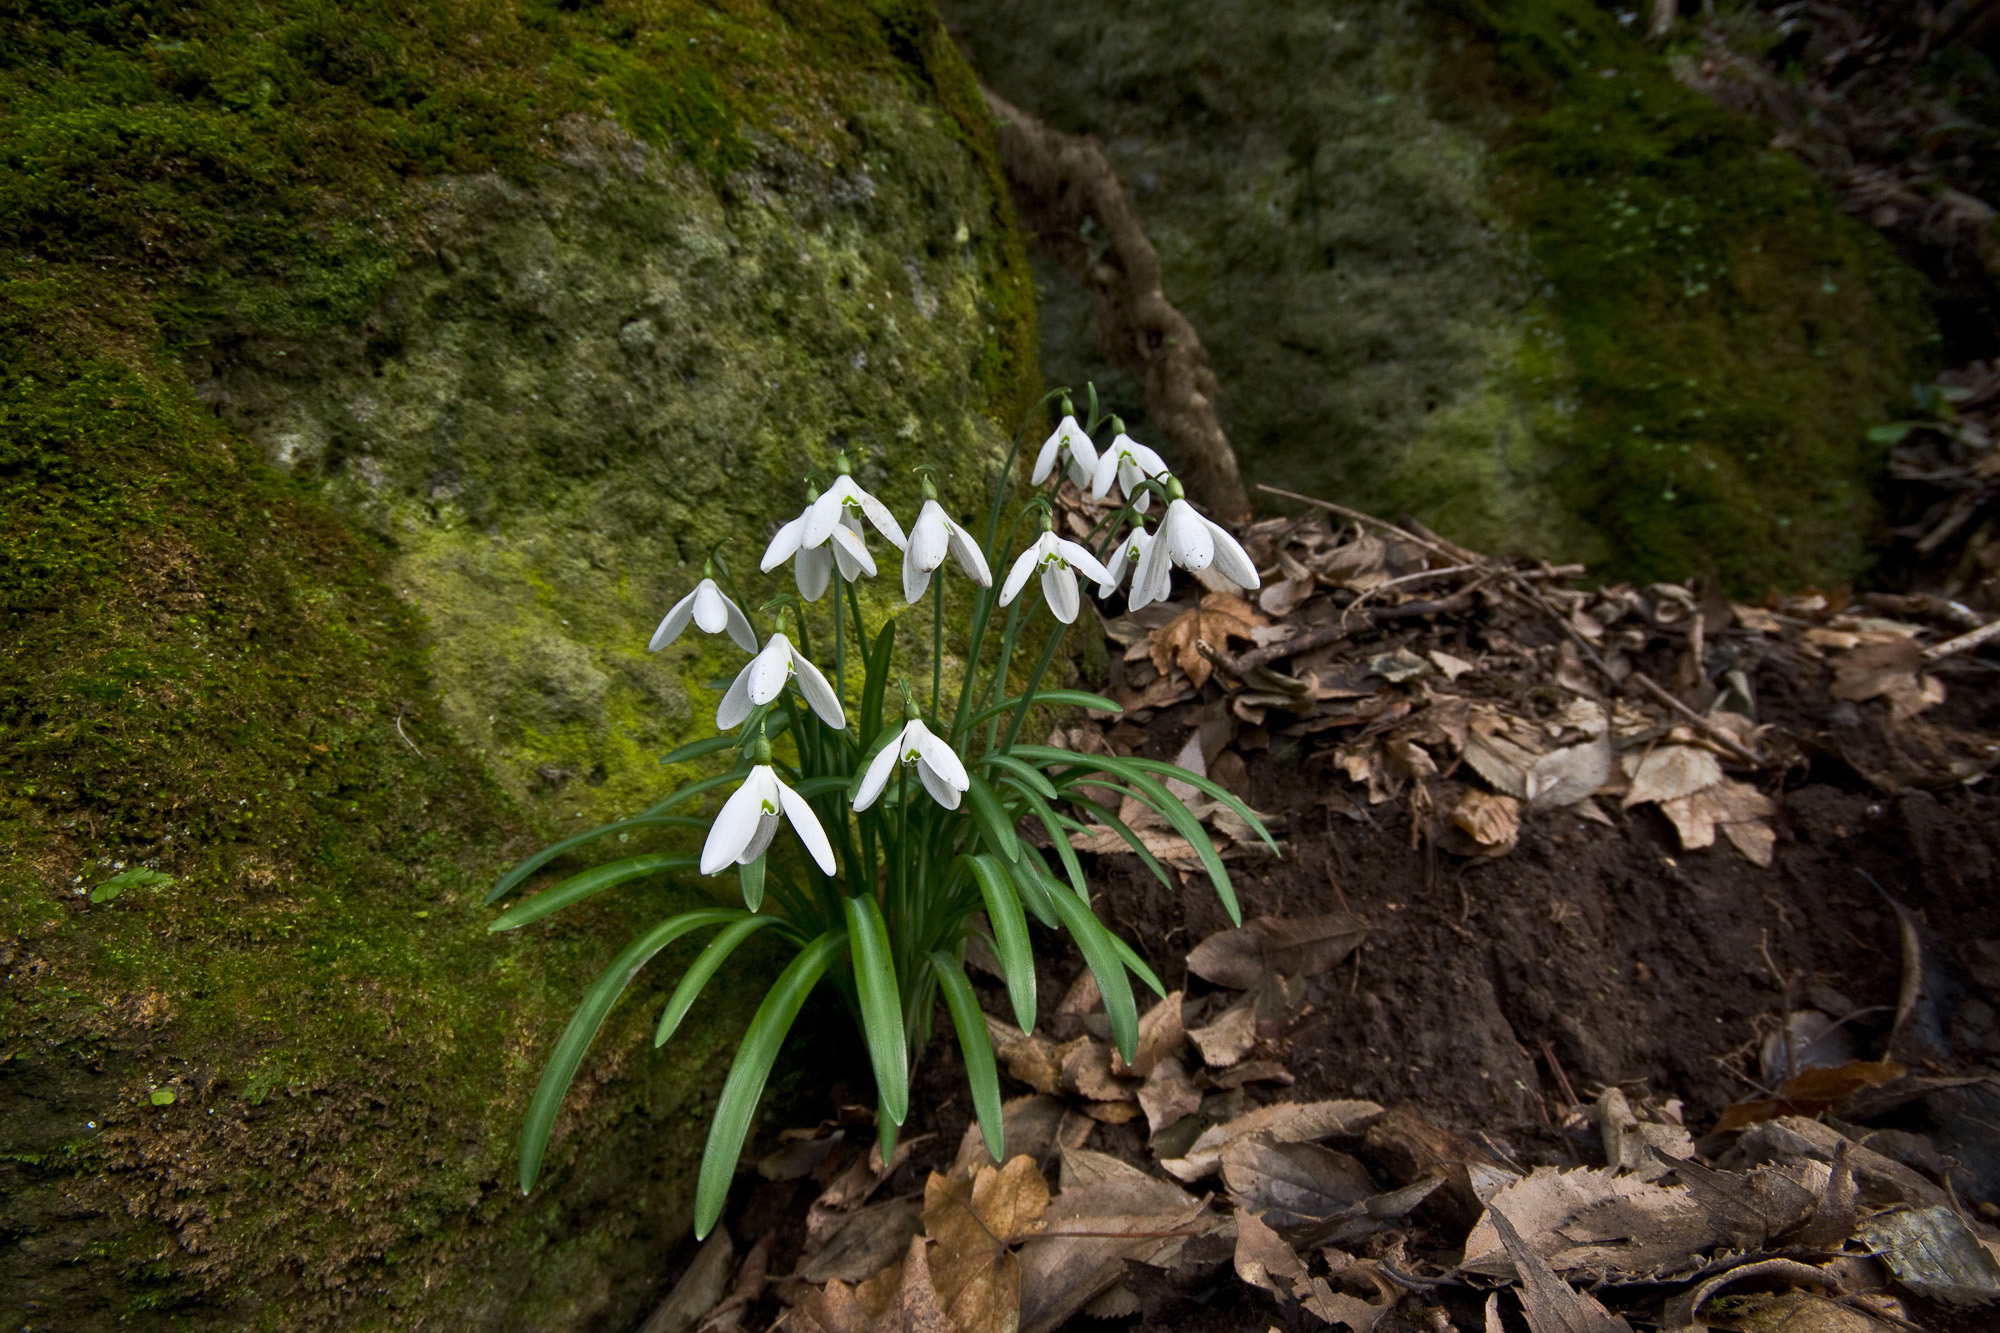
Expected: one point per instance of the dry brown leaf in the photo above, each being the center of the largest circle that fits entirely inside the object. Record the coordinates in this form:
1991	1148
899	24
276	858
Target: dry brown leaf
1569	775
1812	1091
1086	1071
1160	1035
1286	595
1495	755
1230	1037
1670	772
1254	1071
832	1308
1892	670
1757	840
700	1288
1283	1122
1551	1304
921	1311
1630	1143
1357	565
1168	1095
1289	946
1107	1212
1030	1126
863	1243
1263	1259
1220	617
1696	815
972	1224
1494	822
1292	1184
1033	1060
1658	1228
1453	667
1172	848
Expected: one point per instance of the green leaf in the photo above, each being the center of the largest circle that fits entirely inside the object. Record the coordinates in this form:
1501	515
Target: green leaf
991	817
747	1075
812	787
876	682
1133	962
650	819
1029	887
138	877
1027	773
751	879
1893	433
705	965
1111	821
1010	934
1060	698
1211	788
583	1026
594	880
881	1005
696	749
1044	812
165	1096
694	789
977	1048
1095	941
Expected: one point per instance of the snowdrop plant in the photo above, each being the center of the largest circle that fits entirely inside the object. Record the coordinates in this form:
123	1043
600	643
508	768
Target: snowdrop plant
919	830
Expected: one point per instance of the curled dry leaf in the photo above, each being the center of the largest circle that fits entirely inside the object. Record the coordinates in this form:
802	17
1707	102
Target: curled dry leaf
1726	804
862	1243
1569	775
1292	1184
1933	1253
1551	1304
1494	822
1033	1060
1635	1145
1168	1095
1107	1212
972	1224
1230	1037
1670	772
1641	1229
1263	1259
1288	946
1284	1122
1086	1071
1892	671
1220	617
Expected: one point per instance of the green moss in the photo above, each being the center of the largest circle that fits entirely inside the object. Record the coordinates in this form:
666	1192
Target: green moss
1731	332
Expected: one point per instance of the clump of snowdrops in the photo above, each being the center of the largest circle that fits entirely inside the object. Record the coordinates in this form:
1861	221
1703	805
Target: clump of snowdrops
906	807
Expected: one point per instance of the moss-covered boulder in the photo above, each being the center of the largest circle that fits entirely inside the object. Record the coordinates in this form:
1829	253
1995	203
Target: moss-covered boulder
370	380
1485	261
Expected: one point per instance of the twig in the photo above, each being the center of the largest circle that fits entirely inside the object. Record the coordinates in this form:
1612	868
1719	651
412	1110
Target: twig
1327	633
1562	1079
1713	732
1963	643
1360	517
406	739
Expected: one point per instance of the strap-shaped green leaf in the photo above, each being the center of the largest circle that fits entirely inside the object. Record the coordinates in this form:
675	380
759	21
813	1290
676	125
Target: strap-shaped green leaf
584	1024
1130	957
876	683
995	825
1044	812
696	749
881	1004
1030	887
1027	773
650	819
812	787
1209	787
705	965
977	1048
747	1075
1059	698
1111	821
1095	941
594	880
1010	934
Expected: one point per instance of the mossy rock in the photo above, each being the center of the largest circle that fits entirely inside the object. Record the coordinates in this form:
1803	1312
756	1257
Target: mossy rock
1488	263
370	381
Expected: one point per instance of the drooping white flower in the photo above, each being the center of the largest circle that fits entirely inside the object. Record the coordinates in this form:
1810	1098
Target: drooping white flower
764	677
938	766
1125	559
1129	463
1054	556
816	560
712	612
845	498
1069	441
932	536
749	820
1188	539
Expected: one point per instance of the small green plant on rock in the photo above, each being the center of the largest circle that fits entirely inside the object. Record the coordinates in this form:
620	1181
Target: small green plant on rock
908	816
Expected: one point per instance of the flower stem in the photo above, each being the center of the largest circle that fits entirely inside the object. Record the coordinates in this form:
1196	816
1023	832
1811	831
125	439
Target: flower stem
1056	635
937	648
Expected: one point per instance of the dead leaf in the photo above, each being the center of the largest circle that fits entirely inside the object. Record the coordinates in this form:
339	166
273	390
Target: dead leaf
862	1243
1641	1229
1255	1071
1729	802
1263	1259
1635	1145
1551	1304
1107	1212
1031	1126
1453	667
700	1288
972	1224
1812	1091
1398	666
922	1311
1292	1184
1220	617
1160	1035
1168	1095
1086	1071
1356	565
1286	595
1891	670
1569	775
1494	822
1230	1037
1933	1253
1289	946
1033	1060
1670	772
1283	1122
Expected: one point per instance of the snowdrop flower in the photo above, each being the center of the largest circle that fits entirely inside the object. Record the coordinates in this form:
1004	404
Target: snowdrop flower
764	678
1187	539
942	773
1054	555
712	612
749	820
1069	440
816	559
1125	559
1131	463
845	499
932	537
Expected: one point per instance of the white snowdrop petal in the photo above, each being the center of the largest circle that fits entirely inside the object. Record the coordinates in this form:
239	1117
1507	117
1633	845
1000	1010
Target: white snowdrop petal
739	627
760	841
928	539
852	552
785	544
916	579
884	521
1045	461
936	752
1231	560
941	791
768	669
670	628
814	571
735	704
1081	557
1186	534
1154	578
1059	587
1082	459
877	776
970	558
735	824
1024	565
819	694
1102	475
710	611
825	512
806	824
